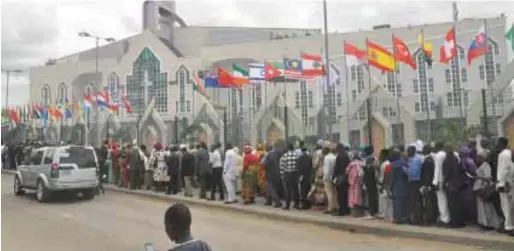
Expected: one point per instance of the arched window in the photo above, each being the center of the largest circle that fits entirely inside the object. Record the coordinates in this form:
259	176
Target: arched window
62	93
304	102
489	72
457	96
45	95
423	84
183	76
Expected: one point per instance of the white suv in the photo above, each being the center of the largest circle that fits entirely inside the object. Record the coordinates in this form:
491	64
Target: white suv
58	169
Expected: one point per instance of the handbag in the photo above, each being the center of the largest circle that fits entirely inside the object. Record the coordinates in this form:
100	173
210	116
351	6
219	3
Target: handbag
487	192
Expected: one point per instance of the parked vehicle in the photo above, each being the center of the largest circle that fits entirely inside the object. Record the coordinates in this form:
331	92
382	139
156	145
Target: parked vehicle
58	169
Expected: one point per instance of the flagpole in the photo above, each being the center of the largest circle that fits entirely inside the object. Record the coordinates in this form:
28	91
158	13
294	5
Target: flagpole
327	62
428	121
457	66
395	83
368	101
490	88
347	92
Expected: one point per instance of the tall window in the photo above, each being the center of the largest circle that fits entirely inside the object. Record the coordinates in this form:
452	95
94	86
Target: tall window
421	85
113	83
233	102
311	101
492	70
183	76
256	89
45	95
147	82
304	102
61	93
357	74
457	96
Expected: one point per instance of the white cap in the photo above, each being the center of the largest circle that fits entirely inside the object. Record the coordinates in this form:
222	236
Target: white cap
182	146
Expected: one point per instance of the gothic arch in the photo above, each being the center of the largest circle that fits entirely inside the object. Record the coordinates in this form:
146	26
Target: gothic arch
62	93
46	95
182	79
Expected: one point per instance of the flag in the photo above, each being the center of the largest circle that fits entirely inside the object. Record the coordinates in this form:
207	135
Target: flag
38	109
292	68
88	102
227	80
256	71
478	45
354	55
449	49
126	103
102	100
239	71
198	86
271	72
14	116
312	65
510	37
67	109
426	48
401	53
211	81
380	58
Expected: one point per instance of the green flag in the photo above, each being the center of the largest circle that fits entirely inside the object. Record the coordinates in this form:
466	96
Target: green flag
239	71
510	37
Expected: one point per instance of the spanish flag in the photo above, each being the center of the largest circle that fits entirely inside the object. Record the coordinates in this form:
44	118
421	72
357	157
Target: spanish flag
380	58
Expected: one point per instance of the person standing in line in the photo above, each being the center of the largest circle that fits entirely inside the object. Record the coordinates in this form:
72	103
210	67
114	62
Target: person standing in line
505	185
187	168
398	184
177	223
414	206
341	179
230	173
487	218
438	183
115	160
385	202
217	173
173	164
354	173
329	163
103	152
203	169
251	166
317	194
370	181
272	167
289	174
133	160
305	171
428	192
453	185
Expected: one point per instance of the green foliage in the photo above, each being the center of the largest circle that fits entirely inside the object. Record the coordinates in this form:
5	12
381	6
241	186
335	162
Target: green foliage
452	132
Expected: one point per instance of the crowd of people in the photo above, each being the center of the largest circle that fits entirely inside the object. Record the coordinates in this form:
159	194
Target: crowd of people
433	184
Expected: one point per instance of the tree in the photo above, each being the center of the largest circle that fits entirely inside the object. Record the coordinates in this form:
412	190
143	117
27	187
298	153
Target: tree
453	133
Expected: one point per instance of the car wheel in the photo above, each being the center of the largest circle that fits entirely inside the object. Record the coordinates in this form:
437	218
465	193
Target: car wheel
18	190
89	194
42	193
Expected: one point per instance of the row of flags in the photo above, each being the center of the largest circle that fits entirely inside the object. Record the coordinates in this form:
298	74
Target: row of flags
64	110
309	66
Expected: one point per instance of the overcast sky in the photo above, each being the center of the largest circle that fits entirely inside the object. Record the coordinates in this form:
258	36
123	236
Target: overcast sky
33	31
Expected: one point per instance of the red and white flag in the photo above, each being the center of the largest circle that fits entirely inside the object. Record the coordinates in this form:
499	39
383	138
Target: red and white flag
449	50
312	65
126	103
354	55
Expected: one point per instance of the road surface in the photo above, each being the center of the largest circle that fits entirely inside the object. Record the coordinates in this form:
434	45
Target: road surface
119	222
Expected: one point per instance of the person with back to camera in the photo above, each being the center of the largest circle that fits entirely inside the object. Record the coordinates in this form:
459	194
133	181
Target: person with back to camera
177	223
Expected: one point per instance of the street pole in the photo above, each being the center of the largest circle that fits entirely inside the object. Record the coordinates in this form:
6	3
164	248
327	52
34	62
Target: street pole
327	68
175	125
8	76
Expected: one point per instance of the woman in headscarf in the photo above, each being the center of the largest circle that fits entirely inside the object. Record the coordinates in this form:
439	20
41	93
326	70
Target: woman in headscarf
251	167
469	167
317	194
261	176
398	185
484	187
355	173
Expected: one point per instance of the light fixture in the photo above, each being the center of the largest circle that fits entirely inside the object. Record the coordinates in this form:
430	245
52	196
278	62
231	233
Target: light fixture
84	34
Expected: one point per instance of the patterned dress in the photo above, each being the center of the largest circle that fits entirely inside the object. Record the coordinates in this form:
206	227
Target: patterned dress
355	172
251	168
261	179
158	165
317	194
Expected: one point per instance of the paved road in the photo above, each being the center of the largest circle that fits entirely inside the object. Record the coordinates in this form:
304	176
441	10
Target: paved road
119	222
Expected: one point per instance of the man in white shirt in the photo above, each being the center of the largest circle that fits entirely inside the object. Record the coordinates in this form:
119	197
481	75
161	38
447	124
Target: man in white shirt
328	171
442	200
217	172
230	173
505	177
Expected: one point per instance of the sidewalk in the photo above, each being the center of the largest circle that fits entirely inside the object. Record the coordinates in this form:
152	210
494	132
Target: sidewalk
469	235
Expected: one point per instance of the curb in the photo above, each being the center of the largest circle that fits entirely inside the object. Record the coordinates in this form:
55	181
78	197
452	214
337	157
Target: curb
487	241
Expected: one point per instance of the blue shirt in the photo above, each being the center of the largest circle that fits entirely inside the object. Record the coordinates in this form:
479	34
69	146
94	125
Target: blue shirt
414	169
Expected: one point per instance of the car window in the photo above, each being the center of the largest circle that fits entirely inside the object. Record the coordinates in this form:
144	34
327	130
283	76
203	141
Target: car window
82	157
36	159
49	157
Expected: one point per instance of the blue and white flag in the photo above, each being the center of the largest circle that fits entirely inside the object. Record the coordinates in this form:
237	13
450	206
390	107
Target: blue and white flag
256	71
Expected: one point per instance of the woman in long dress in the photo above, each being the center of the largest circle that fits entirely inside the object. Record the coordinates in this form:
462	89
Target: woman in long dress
317	194
355	173
487	218
385	203
398	182
468	197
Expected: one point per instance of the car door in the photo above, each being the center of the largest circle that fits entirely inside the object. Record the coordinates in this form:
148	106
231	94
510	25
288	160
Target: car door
34	164
24	170
46	164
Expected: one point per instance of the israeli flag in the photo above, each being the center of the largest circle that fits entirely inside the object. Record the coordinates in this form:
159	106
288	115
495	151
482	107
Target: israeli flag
256	71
